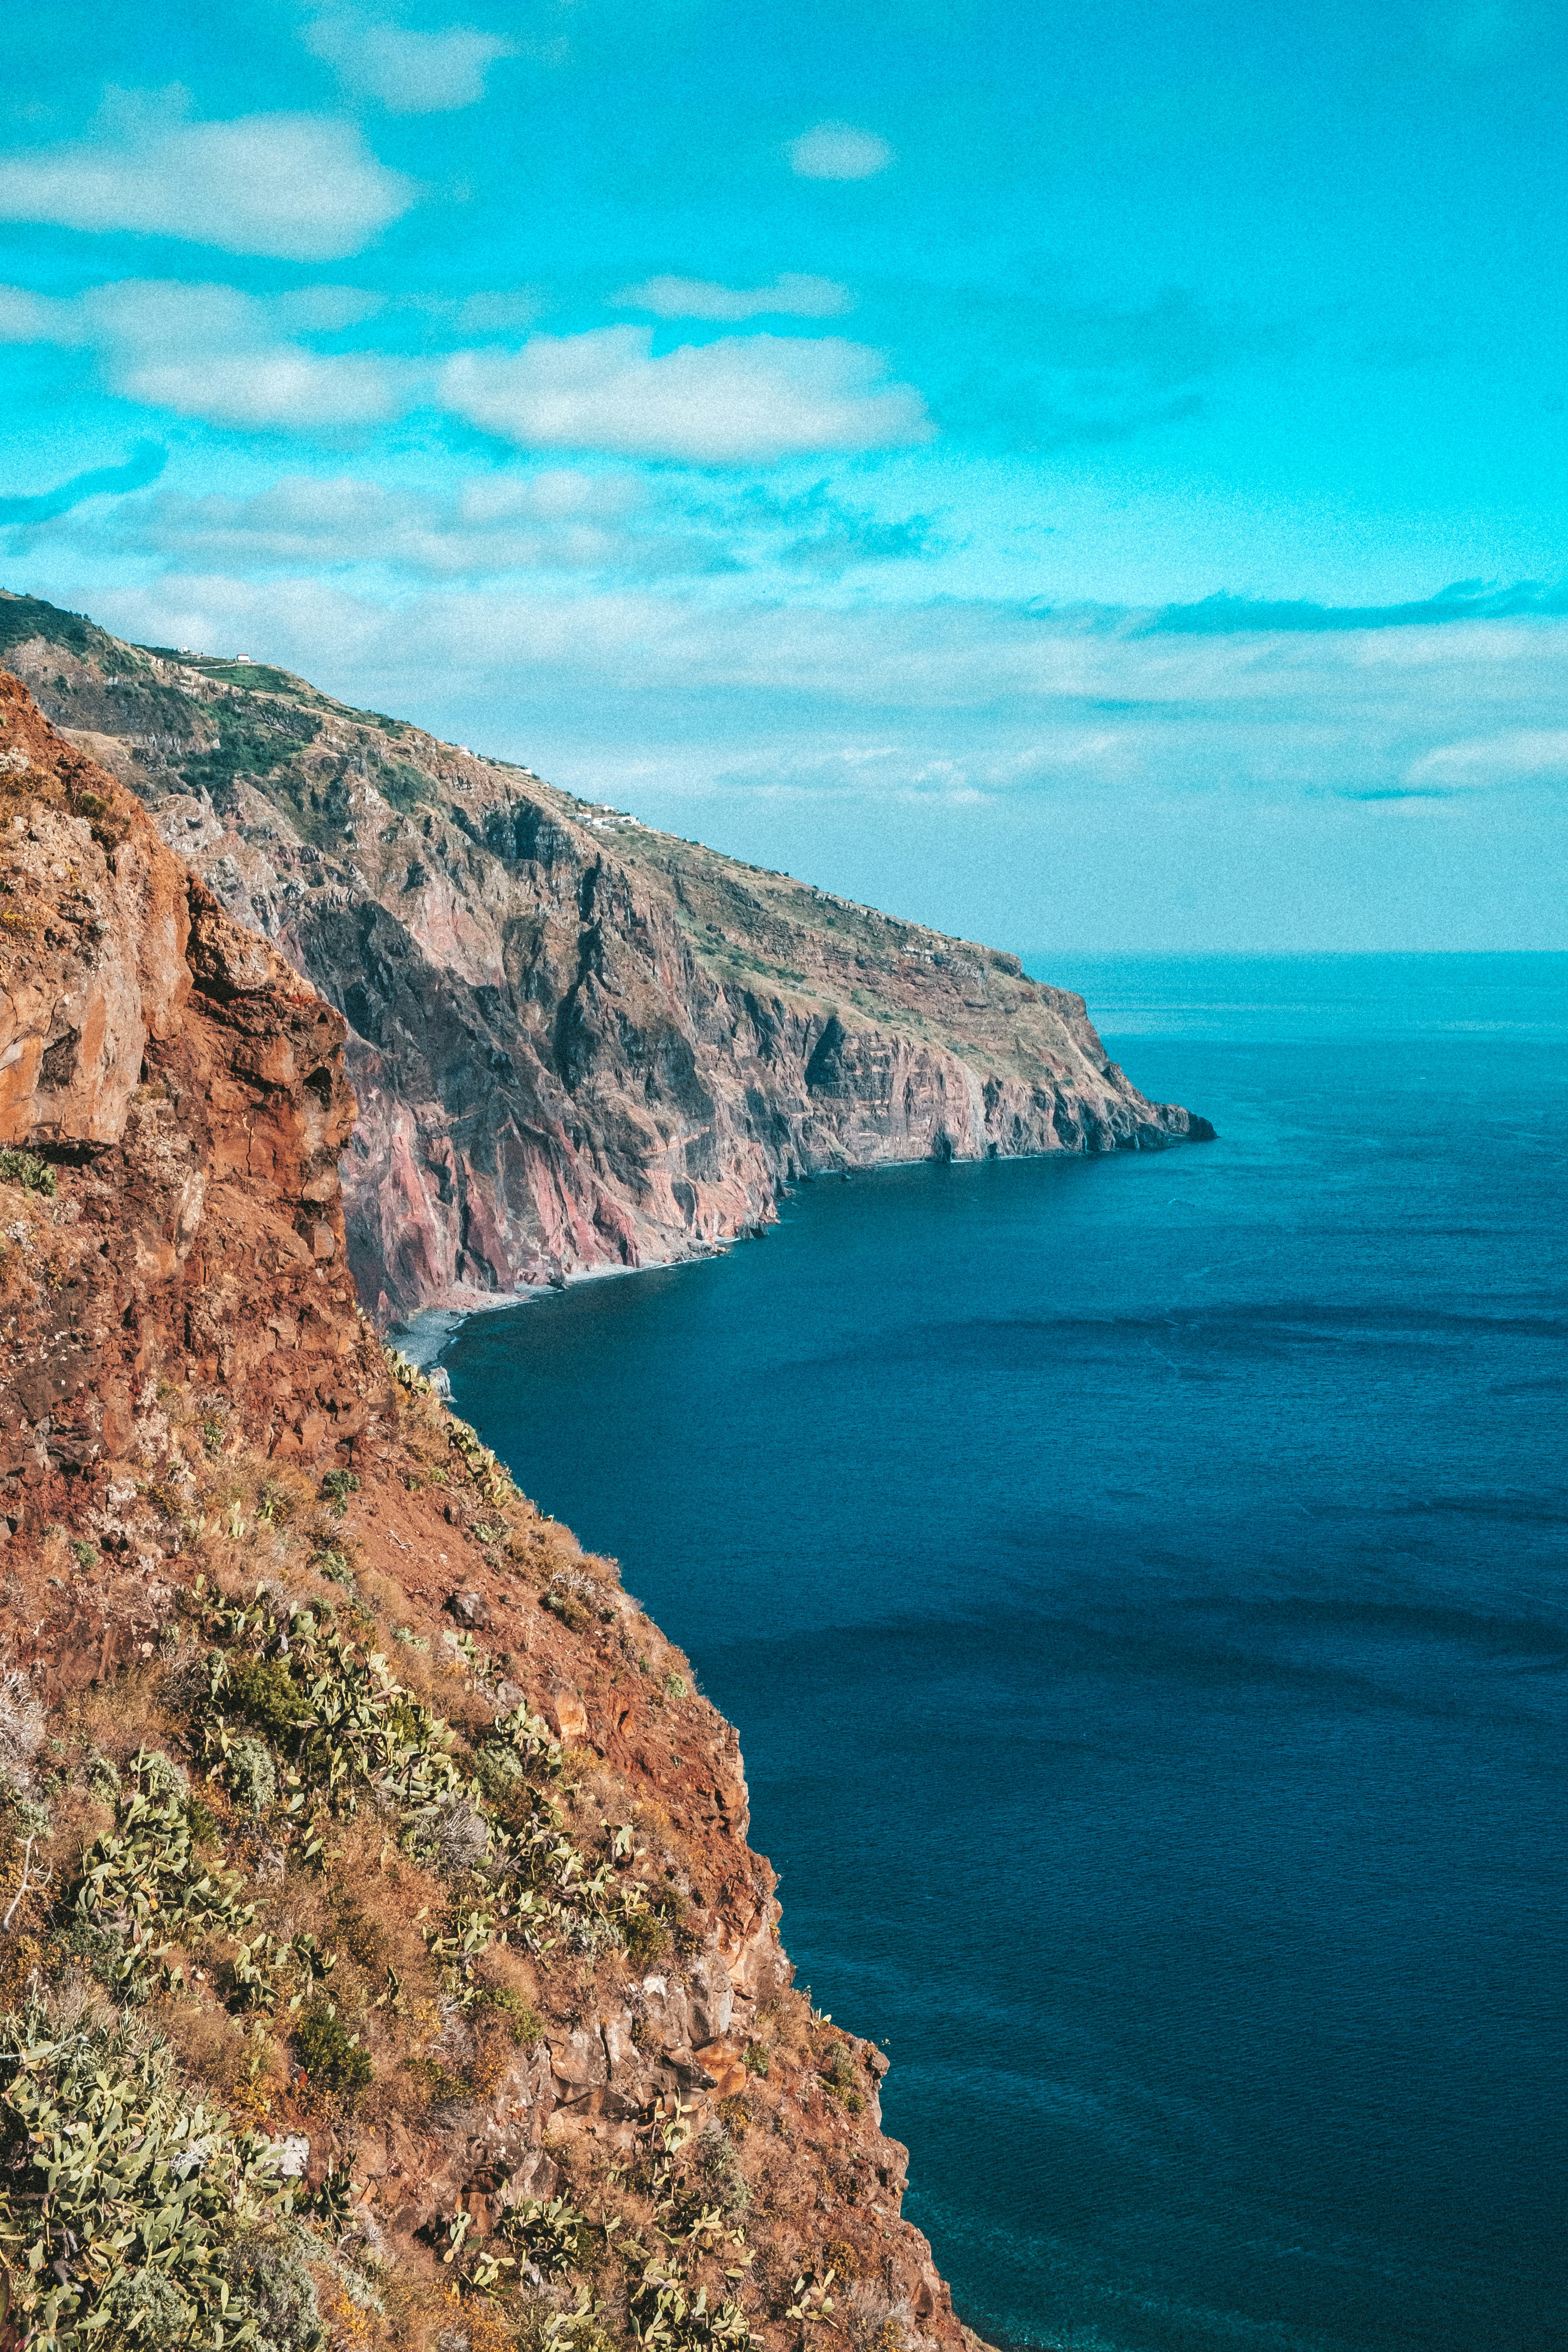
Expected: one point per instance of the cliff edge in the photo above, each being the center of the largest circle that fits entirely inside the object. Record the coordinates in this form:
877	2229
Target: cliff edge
382	1960
576	1042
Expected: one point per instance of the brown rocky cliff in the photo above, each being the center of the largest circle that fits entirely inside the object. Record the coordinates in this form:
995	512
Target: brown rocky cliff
193	1085
197	1420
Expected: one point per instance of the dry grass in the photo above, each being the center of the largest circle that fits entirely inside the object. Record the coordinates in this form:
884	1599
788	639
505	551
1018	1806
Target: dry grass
387	1599
132	1714
211	2045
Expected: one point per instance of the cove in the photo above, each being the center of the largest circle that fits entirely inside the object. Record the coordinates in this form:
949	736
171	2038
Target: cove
1140	1587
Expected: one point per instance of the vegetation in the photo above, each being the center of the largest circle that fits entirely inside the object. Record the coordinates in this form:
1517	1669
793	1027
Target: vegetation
551	2236
296	1896
841	2081
130	2216
142	1884
257	678
22	618
255	737
133	2217
26	1168
401	782
336	1488
329	2052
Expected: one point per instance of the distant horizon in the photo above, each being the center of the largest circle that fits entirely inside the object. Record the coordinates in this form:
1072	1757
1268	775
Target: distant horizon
1277	955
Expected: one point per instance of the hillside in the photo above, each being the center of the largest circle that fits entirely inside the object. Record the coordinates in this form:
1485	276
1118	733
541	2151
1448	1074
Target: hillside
383	1962
576	1042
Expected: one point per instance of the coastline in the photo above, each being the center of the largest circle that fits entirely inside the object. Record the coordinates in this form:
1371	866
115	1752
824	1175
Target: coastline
424	1337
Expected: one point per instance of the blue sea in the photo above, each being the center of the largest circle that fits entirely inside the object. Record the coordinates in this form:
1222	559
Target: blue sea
1140	1585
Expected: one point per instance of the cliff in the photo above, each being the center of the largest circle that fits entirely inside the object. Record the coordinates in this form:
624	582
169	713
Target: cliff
575	1041
382	1957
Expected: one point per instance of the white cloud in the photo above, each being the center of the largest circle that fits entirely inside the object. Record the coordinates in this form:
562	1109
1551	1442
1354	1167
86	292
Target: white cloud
321	310
1521	755
966	763
32	318
303	187
410	73
837	150
561	520
611	520
213	353
282	389
1003	703
790	296
236	359
740	400
562	494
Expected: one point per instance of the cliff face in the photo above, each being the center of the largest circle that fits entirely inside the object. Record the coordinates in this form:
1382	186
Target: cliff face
189	1087
366	1850
576	1042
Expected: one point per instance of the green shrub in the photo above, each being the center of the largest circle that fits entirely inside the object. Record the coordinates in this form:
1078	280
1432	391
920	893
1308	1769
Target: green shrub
549	2235
22	618
648	1939
26	1168
128	2214
203	1823
267	2265
336	1488
330	1705
266	1692
840	2080
255	738
501	1773
251	1774
140	1886
717	2168
164	1780
522	2022
330	2054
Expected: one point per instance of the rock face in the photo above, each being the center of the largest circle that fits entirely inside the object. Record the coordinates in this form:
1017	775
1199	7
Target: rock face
576	1042
193	1085
514	1859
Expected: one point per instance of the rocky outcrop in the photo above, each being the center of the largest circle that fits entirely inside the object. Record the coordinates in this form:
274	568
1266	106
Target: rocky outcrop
389	1752
576	1042
193	1085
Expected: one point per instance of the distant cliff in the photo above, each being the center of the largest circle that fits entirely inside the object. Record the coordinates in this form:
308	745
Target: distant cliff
576	1042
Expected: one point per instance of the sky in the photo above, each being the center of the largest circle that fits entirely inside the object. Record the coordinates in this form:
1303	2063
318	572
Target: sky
1085	478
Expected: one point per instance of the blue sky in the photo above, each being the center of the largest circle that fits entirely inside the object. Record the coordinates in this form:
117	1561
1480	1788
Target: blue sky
1088	477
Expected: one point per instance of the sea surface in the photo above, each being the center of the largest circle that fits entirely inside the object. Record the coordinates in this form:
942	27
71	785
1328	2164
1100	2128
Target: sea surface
1142	1588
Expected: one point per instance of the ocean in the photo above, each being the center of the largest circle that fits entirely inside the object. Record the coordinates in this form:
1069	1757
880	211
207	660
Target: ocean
1141	1586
